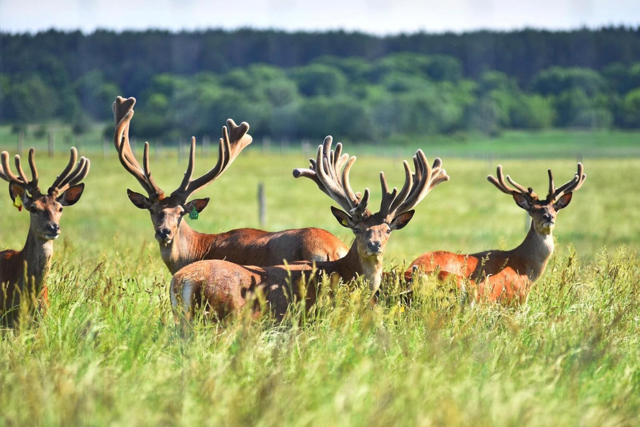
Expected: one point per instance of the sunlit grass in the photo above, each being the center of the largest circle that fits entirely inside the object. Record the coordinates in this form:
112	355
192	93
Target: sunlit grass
107	351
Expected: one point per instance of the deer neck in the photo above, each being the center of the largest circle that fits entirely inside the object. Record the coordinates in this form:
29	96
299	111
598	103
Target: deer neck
36	255
186	247
534	252
353	265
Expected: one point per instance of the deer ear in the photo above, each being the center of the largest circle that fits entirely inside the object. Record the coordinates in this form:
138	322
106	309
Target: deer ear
401	220
563	202
71	196
343	218
198	204
522	201
15	190
140	201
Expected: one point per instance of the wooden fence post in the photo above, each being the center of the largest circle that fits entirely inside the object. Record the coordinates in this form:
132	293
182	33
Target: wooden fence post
20	142
51	144
262	205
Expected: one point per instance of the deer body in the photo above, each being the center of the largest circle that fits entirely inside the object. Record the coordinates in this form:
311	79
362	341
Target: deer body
497	275
249	246
225	288
180	245
23	273
507	276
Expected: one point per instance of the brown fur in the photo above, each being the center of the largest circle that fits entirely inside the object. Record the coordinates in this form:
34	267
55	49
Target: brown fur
23	274
226	288
505	276
249	246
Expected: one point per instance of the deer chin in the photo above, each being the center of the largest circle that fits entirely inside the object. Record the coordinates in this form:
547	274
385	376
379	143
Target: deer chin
545	227
371	254
51	236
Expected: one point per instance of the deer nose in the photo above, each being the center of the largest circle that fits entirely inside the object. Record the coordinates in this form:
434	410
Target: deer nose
53	228
374	246
547	217
162	233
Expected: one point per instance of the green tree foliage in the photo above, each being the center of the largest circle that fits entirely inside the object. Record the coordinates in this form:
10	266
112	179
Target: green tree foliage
298	85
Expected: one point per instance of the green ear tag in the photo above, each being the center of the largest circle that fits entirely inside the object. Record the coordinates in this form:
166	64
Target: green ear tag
193	214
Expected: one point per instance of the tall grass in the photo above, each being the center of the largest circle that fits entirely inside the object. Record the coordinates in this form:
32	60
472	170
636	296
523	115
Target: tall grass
107	351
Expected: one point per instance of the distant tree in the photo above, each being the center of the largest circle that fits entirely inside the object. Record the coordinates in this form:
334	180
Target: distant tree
30	100
631	108
96	94
555	80
319	80
531	112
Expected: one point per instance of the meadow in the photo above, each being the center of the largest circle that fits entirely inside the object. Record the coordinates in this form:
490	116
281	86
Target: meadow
106	352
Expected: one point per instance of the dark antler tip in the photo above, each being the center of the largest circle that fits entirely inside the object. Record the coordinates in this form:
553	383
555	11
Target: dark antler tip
297	173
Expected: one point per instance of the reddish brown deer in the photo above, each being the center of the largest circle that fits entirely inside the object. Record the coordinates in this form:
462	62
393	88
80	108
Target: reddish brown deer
507	276
180	245
23	273
224	287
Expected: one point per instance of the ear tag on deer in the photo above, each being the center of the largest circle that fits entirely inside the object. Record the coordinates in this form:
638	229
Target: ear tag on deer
193	214
18	203
344	222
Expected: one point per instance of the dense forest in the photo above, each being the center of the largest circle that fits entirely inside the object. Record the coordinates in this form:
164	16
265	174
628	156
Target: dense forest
297	85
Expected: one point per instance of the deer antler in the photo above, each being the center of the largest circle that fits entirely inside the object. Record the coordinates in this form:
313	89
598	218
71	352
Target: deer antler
416	185
501	185
66	179
69	178
21	180
573	184
234	139
123	113
330	171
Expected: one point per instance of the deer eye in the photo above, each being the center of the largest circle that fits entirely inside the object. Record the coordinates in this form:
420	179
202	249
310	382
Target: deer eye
60	210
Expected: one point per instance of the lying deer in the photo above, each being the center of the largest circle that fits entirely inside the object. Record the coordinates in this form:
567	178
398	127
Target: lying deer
224	287
507	276
180	245
23	273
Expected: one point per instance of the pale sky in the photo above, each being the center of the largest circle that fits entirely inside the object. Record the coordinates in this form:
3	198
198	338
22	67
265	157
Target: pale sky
371	16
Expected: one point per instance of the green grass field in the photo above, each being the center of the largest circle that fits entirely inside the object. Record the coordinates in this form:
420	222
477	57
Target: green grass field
107	352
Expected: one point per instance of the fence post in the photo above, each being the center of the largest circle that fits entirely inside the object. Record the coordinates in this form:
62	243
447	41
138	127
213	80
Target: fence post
266	141
51	144
205	145
20	142
262	205
105	147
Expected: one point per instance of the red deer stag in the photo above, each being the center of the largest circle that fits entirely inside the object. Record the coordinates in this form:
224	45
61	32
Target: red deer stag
23	274
180	245
224	287
507	276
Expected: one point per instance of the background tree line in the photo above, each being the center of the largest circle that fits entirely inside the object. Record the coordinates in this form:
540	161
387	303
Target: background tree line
286	84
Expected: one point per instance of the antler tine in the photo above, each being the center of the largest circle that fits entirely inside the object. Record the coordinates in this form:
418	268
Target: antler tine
5	171
73	178
32	165
519	187
20	179
234	139
404	192
73	157
500	183
330	171
417	185
123	113
573	184
552	187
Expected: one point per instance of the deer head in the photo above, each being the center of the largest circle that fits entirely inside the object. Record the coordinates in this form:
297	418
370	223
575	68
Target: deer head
330	171
542	212
45	209
167	212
